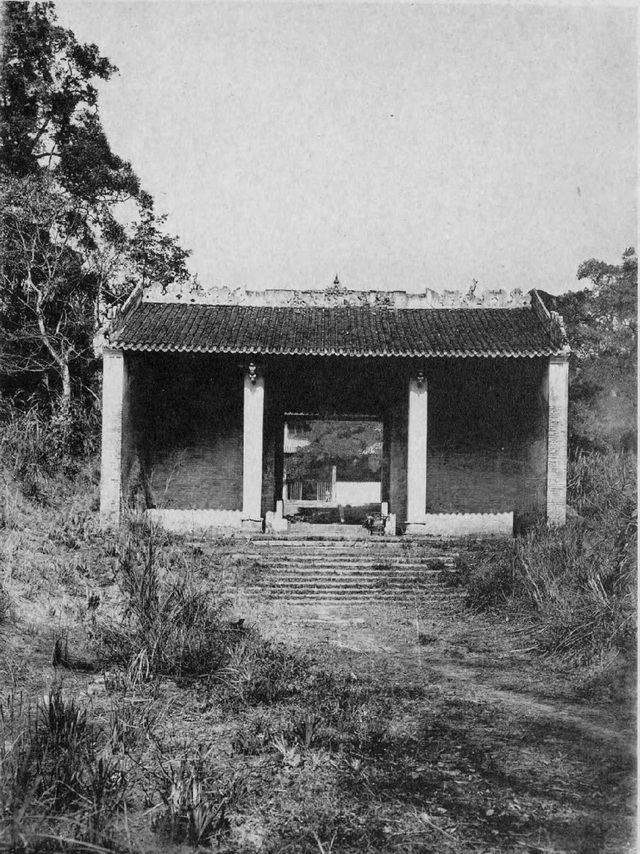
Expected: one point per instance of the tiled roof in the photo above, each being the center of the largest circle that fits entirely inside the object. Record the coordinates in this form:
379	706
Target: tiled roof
340	331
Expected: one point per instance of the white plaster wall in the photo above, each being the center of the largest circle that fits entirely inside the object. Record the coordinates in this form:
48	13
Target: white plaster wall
463	524
354	492
184	521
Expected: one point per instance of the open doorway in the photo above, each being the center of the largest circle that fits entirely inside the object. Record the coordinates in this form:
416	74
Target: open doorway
332	468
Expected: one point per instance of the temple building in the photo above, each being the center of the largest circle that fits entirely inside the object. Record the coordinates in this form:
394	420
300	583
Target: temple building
471	392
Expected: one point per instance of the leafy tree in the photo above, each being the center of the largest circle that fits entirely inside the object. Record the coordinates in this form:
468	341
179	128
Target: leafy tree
46	291
602	327
153	256
354	447
49	114
67	255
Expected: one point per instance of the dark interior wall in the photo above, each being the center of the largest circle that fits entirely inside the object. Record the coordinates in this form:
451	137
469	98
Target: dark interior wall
333	385
273	440
486	436
188	414
486	426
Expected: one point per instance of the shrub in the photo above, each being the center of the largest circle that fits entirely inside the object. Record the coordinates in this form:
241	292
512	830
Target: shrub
5	604
577	582
172	622
56	781
195	802
36	445
600	484
261	672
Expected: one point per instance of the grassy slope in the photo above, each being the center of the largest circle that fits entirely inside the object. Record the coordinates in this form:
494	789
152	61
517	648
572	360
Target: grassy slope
390	729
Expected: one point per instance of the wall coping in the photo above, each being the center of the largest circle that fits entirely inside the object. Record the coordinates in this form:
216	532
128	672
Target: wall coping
337	295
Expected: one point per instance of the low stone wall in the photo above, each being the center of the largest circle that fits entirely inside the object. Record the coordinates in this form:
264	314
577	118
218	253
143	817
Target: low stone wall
185	521
463	525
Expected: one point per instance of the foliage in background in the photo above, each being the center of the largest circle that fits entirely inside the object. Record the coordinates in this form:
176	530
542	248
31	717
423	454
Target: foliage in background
354	447
36	447
602	327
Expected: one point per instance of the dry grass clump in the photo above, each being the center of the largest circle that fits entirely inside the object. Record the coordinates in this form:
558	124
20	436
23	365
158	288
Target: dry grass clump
172	619
195	799
5	604
36	446
60	782
578	582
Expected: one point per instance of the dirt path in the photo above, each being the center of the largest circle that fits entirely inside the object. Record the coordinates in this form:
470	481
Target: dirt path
447	659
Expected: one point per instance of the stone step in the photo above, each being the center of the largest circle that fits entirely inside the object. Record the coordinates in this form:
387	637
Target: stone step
360	554
311	575
345	545
334	581
346	572
363	548
350	596
262	539
346	584
355	564
306	573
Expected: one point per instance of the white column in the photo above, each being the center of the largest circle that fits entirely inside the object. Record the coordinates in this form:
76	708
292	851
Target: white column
558	391
252	449
417	451
114	377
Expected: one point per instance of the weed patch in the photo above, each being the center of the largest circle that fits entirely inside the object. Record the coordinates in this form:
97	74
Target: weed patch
57	779
172	621
577	582
194	803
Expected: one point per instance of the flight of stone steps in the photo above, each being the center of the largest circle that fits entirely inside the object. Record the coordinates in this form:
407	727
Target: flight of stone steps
347	570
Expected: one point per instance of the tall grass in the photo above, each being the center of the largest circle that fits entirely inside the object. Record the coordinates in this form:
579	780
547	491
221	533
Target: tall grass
38	445
60	784
172	620
577	583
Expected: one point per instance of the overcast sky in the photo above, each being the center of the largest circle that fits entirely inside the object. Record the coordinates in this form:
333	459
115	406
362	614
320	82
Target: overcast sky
396	145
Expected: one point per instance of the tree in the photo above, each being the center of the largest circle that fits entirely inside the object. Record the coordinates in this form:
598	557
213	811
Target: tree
67	256
602	327
354	447
45	290
49	113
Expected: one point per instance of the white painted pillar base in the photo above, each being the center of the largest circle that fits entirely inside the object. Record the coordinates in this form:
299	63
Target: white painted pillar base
252	451
558	396
417	452
114	377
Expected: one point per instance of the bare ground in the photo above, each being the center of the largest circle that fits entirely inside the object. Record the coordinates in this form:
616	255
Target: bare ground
477	744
